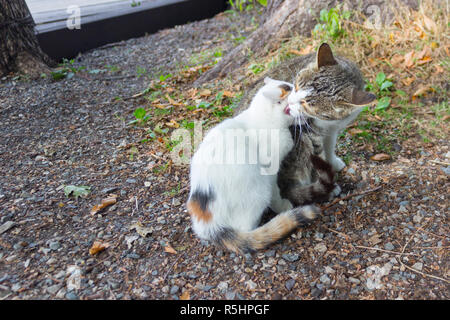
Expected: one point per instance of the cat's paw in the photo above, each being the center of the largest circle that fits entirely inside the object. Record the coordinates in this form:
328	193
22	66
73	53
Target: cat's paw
335	192
337	164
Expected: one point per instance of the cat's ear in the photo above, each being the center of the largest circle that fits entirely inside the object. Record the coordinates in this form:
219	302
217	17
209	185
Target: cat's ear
362	98
325	56
277	93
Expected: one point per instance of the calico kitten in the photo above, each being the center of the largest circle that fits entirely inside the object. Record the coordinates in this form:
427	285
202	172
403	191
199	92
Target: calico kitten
228	198
336	98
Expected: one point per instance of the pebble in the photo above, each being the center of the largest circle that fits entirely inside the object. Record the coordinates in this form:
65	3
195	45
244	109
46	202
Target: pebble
354	280
54	245
133	256
315	292
72	295
389	246
174	289
290	284
418	266
320	247
325	279
230	295
222	286
270	253
290	257
53	289
131	181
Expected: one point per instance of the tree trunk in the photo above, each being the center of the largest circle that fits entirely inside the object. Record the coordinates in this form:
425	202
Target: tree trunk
283	19
19	48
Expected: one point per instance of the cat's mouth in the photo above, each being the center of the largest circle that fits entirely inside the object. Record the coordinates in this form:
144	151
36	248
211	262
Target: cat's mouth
287	110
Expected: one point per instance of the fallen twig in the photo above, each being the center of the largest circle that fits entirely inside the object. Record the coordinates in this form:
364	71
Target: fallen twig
440	162
335	201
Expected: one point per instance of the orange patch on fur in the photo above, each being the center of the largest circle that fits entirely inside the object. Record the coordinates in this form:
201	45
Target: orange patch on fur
284	93
195	210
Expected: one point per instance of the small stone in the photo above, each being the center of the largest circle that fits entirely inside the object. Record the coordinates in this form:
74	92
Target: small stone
329	270
250	285
290	257
290	284
16	287
354	280
174	289
315	292
54	245
206	288
230	295
325	279
418	266
417	218
402	209
351	171
404	203
53	289
389	246
320	247
6	226
131	181
72	295
270	253
133	256
222	286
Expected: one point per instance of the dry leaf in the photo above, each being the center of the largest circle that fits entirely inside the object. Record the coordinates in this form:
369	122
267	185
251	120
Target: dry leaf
409	59
396	60
228	94
173	102
143	231
375	239
205	93
169	249
105	203
425	60
430	24
421	91
296	52
172	124
97	247
185	296
407	82
380	157
355	131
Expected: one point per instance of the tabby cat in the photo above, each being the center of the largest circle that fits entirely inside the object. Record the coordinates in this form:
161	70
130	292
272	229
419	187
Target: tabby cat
336	98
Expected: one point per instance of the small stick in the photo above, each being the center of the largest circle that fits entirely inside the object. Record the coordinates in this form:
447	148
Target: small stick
171	267
350	196
424	274
387	251
440	162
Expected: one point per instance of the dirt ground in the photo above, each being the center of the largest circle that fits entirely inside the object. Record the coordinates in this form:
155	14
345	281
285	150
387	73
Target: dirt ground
389	243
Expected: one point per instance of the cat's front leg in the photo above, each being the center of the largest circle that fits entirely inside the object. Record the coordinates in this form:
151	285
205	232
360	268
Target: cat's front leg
329	146
278	204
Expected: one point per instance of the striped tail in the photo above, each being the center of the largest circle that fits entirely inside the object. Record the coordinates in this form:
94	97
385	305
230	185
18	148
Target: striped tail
277	228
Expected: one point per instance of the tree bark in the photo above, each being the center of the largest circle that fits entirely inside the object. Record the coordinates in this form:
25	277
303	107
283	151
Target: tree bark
283	19
19	47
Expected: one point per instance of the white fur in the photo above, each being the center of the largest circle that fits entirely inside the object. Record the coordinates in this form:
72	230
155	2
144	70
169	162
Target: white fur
241	191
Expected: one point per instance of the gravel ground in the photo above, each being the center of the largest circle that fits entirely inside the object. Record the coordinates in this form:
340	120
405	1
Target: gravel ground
391	243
